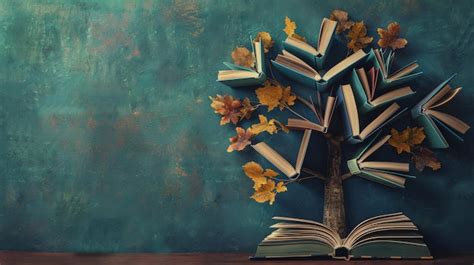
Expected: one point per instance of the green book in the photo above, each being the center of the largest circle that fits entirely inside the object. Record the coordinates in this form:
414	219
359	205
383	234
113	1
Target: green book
392	174
369	95
298	70
383	62
433	120
315	56
353	131
240	76
390	236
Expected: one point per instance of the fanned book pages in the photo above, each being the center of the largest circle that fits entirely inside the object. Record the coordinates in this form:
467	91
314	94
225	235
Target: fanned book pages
428	115
390	236
352	128
238	76
281	163
298	70
391	174
384	63
369	95
322	120
314	56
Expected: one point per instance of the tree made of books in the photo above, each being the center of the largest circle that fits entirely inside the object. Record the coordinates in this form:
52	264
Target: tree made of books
359	84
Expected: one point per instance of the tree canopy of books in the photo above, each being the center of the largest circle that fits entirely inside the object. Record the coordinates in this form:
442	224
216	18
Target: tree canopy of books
368	95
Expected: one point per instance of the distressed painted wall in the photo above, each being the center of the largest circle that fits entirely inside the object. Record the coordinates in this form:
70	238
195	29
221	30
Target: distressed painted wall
107	141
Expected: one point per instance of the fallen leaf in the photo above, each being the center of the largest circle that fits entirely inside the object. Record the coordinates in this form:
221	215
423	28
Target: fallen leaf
247	109
424	157
241	140
269	95
228	107
390	37
282	126
259	176
267	40
264	126
265	192
358	37
242	56
290	27
343	22
287	98
281	187
407	139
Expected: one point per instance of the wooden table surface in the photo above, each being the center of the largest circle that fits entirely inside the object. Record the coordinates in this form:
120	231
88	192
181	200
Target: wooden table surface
24	258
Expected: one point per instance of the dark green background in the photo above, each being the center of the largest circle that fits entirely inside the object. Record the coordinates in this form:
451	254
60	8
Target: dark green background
107	141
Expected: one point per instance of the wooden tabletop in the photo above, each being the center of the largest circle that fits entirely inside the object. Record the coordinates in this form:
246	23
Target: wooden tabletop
26	258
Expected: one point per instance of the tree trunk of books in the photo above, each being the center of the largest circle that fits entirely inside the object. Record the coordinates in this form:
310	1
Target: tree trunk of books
334	214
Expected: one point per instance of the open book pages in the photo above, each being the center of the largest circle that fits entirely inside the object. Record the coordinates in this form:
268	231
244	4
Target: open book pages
236	74
241	72
385	67
385	236
344	64
325	34
324	122
444	96
281	163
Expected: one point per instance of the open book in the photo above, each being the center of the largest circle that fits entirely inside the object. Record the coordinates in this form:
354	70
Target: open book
238	76
281	163
322	119
383	172
314	56
428	115
390	236
298	70
352	131
367	95
384	63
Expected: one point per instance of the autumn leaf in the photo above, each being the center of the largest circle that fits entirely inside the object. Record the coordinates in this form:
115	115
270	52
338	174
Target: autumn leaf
290	27
267	40
391	37
242	56
228	107
269	95
265	192
241	140
247	109
358	37
259	176
424	157
343	22
281	187
287	98
405	140
264	126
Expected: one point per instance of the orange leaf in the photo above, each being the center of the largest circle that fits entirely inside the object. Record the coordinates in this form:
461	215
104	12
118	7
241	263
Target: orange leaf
290	27
227	107
343	22
358	37
287	98
269	95
267	40
390	37
242	56
407	139
241	140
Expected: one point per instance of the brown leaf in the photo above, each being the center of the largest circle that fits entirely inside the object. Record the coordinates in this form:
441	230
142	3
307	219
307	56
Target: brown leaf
358	37
390	37
267	40
424	157
228	107
241	140
343	22
242	56
407	139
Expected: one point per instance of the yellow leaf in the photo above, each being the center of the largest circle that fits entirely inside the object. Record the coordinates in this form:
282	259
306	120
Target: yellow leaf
264	126
254	171
281	187
270	173
390	37
267	40
290	27
265	193
269	95
287	98
358	37
242	56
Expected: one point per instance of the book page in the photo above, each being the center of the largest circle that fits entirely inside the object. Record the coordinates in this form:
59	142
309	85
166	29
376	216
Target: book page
393	178
450	120
379	58
302	45
391	95
373	77
302	150
291	61
330	105
275	158
385	115
365	82
304	124
395	166
403	72
349	102
236	74
258	56
325	34
437	97
373	148
450	96
342	65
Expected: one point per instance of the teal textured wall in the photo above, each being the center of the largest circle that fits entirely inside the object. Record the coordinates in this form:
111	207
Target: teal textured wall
107	141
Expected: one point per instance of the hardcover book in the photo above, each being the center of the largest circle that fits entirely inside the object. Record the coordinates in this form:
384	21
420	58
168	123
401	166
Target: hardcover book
428	115
383	64
369	95
323	120
239	76
390	236
387	173
352	128
314	56
298	70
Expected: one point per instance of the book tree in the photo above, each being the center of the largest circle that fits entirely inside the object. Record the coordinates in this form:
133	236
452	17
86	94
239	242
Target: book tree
360	84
